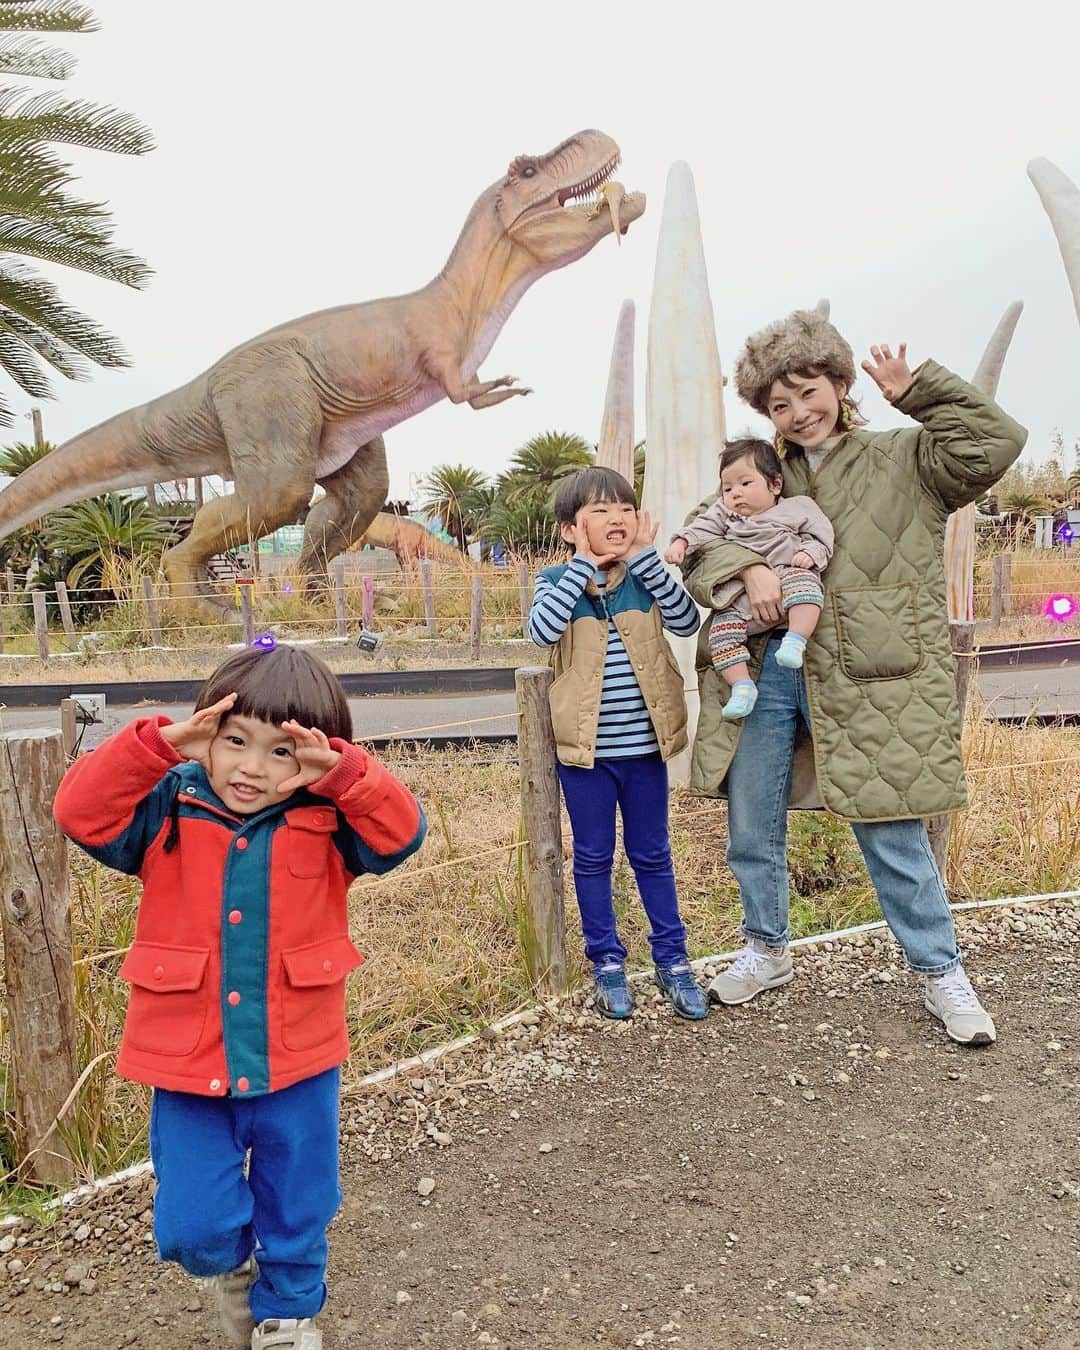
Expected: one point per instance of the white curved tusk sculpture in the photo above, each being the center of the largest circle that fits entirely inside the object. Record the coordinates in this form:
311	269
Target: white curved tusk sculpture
1061	200
684	401
615	449
960	528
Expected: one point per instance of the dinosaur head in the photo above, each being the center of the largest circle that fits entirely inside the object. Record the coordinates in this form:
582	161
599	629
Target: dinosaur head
558	206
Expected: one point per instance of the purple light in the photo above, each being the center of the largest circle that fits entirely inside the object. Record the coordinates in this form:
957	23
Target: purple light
266	642
286	588
1061	608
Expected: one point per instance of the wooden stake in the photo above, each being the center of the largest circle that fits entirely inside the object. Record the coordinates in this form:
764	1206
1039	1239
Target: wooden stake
369	602
198	494
1000	587
65	615
153	617
151	494
9	577
41	626
246	618
525	595
476	614
36	919
339	599
962	637
545	945
427	585
68	727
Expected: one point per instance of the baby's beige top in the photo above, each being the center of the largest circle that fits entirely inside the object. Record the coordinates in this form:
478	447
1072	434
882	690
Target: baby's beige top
777	533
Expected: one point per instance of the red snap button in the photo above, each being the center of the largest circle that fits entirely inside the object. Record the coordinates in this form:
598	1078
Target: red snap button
242	1084
235	916
241	844
234	997
328	966
159	972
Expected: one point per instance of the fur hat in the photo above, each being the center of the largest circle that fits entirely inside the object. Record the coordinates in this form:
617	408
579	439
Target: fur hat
804	340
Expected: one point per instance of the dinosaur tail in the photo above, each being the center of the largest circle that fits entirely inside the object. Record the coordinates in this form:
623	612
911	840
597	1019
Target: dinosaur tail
107	457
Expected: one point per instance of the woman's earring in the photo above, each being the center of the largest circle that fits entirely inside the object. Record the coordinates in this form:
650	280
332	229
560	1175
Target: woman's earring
780	445
847	416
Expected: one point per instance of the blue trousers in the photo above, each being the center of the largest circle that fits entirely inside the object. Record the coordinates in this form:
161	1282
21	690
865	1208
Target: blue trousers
209	1217
896	852
639	787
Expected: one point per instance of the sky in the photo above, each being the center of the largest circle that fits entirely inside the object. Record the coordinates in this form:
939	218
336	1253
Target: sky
315	155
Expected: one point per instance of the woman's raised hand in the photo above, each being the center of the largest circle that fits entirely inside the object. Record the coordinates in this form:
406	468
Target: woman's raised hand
314	753
193	738
890	373
763	592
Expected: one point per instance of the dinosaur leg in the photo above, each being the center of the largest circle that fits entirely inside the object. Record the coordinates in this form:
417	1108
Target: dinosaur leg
355	494
272	423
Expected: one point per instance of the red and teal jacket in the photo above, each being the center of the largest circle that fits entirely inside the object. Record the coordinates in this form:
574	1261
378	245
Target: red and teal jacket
242	946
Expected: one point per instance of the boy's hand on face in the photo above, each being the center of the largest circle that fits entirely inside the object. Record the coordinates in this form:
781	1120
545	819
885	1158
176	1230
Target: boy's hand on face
675	552
890	373
193	738
314	753
646	533
580	540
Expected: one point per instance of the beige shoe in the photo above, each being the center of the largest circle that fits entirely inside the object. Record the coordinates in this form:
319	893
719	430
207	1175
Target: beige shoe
287	1333
756	968
951	998
231	1296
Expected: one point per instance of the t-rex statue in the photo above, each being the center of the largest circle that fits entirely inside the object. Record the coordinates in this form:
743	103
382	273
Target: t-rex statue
307	402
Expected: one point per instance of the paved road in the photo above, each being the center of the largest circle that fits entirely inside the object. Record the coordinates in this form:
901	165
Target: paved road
1009	693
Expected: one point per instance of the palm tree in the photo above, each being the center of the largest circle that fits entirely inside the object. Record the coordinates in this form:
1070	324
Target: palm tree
40	218
527	529
456	495
19	456
89	536
1023	502
1072	486
537	469
20	549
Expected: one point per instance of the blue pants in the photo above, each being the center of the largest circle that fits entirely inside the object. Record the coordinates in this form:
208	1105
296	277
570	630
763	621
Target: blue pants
896	852
639	787
210	1218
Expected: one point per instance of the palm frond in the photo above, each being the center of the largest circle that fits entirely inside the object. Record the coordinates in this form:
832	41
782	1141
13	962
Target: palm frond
31	183
19	456
52	117
62	359
18	56
36	300
20	363
83	248
47	16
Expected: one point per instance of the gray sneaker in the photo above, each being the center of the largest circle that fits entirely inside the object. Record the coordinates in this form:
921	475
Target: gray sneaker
951	998
287	1333
756	967
231	1296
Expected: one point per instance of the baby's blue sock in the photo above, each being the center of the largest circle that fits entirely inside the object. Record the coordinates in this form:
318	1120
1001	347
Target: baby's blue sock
742	700
792	647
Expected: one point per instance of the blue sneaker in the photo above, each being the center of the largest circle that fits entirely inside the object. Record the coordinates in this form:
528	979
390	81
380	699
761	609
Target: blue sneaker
682	989
613	996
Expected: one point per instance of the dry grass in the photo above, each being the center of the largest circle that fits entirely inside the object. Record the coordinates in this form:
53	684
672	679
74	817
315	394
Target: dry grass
443	935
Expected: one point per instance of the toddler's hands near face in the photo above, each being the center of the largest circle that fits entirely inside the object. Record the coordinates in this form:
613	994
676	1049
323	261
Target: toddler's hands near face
890	373
193	737
675	552
646	533
314	753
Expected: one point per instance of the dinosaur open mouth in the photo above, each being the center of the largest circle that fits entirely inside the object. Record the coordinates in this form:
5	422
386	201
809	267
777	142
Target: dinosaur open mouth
587	189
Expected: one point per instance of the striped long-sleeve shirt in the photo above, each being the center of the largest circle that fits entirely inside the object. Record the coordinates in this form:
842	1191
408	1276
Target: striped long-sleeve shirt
624	727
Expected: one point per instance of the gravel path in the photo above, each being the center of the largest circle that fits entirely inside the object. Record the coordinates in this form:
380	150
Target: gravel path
820	1169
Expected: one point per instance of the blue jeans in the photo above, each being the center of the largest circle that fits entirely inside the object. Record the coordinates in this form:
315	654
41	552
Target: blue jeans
210	1218
639	787
896	852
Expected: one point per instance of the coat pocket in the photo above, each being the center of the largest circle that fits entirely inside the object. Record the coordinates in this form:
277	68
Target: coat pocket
878	632
169	1000
308	830
313	995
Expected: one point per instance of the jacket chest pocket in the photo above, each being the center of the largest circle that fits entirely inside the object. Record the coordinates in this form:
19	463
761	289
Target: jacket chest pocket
313	993
307	842
169	1002
878	632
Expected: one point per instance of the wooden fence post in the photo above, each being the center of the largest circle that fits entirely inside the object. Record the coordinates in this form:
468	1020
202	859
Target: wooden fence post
339	599
69	728
153	617
962	639
545	948
41	624
524	591
35	913
247	620
65	615
428	587
199	499
476	615
9	577
369	602
1	629
1000	587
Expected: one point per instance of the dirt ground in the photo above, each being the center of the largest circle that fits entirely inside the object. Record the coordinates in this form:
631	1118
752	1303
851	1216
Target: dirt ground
819	1169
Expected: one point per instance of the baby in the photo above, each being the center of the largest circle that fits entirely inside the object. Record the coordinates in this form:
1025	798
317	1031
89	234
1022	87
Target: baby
791	534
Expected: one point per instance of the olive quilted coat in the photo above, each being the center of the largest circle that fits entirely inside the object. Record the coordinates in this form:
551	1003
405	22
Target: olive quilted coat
880	679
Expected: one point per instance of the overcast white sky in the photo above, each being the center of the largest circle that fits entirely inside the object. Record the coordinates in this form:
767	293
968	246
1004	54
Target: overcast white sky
873	154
